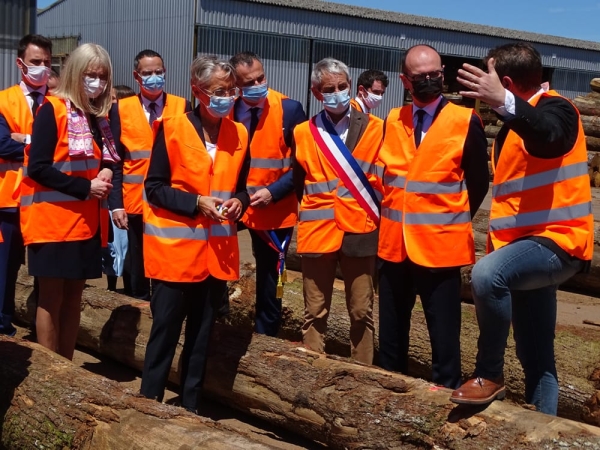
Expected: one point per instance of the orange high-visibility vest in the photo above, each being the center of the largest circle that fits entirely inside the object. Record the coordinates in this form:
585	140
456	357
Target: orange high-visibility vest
271	159
182	249
354	103
52	216
425	209
16	111
328	209
542	197
137	137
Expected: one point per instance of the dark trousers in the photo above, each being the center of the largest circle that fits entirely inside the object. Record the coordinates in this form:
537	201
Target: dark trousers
140	285
172	303
268	306
439	289
12	255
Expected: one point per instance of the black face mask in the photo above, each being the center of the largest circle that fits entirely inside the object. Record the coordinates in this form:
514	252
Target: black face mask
427	90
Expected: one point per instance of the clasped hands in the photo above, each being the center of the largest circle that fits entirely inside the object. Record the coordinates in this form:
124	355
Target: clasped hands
101	185
216	209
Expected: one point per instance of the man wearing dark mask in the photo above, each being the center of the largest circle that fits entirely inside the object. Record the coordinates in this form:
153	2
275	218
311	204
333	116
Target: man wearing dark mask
335	178
370	89
270	118
134	131
435	176
18	107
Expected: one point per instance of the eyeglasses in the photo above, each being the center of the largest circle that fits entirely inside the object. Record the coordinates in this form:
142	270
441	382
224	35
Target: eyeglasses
423	76
233	92
94	75
147	73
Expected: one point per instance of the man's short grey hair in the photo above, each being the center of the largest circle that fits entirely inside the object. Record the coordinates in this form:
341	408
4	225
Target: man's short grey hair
328	65
204	67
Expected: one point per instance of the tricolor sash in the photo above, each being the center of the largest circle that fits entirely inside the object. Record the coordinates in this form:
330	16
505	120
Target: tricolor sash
344	164
280	247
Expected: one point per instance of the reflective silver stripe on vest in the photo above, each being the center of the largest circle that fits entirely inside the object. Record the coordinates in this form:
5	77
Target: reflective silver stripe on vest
396	181
136	155
253	189
394	215
223	230
437	218
368	167
268	163
427	187
343	192
540	179
223	195
194	234
72	166
47	196
542	217
320	188
12	165
133	179
319	214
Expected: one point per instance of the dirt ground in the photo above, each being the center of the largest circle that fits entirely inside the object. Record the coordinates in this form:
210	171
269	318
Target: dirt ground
573	309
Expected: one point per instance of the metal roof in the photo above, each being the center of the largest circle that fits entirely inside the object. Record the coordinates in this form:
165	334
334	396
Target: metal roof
421	21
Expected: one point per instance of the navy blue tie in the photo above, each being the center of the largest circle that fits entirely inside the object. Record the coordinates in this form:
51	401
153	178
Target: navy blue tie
153	116
419	128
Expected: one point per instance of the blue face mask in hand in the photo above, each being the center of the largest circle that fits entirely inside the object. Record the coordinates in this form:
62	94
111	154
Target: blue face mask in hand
255	94
337	102
220	106
154	84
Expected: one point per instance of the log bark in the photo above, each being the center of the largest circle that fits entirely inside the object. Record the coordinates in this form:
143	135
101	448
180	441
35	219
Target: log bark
117	326
591	125
592	143
595	84
47	402
587	106
351	406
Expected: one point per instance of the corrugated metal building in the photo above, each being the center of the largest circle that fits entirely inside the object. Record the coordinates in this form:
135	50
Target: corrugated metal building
17	18
291	35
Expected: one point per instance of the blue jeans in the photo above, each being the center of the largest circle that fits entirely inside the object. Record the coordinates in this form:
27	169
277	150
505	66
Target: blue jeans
519	282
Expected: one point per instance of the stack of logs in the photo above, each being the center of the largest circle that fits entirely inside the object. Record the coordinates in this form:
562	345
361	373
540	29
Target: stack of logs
589	108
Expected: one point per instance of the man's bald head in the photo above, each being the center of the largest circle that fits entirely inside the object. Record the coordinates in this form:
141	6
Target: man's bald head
420	56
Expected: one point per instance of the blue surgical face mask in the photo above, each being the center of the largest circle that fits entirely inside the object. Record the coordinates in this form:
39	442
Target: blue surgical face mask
337	102
220	106
256	93
153	84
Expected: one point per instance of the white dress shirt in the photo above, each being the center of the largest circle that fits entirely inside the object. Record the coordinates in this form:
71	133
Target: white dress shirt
342	126
509	107
362	105
27	90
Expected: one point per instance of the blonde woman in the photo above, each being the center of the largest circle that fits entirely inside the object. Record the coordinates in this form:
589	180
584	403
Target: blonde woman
67	178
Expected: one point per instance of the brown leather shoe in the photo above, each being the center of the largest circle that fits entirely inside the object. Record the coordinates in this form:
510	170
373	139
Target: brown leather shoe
479	391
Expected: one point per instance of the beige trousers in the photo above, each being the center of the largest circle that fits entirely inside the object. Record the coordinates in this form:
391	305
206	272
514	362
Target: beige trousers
318	276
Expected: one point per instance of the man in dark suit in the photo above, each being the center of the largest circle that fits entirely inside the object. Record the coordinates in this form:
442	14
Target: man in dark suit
270	119
334	175
541	224
435	177
18	107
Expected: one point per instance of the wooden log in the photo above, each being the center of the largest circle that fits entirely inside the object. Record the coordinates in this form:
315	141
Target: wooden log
47	402
592	143
117	326
591	125
587	106
352	406
491	131
595	84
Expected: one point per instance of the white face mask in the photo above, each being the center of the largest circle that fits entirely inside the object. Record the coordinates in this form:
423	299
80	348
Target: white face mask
372	101
36	75
93	86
